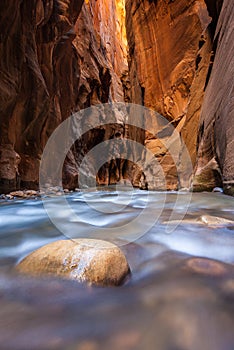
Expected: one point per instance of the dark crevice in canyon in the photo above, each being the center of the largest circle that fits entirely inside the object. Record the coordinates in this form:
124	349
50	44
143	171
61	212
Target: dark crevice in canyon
174	57
214	9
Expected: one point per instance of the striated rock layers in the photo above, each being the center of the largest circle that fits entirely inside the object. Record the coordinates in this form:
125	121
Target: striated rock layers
38	65
52	64
60	56
170	47
216	132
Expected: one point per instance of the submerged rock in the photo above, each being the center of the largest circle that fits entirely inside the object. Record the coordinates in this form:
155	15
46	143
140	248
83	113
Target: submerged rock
85	260
208	220
206	266
214	220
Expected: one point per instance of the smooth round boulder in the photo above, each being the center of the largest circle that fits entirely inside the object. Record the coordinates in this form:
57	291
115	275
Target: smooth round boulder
85	260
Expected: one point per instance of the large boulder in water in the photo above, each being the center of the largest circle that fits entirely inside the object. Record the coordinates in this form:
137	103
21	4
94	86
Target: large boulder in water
85	260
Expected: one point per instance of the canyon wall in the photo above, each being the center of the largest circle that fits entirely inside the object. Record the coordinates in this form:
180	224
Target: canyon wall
175	57
38	65
216	131
170	48
56	57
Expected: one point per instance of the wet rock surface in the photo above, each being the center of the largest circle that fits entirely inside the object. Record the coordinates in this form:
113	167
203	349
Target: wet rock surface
85	260
207	220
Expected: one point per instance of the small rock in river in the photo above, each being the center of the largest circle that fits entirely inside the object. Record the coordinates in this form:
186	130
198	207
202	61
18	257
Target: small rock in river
217	189
212	221
86	260
17	194
9	196
31	193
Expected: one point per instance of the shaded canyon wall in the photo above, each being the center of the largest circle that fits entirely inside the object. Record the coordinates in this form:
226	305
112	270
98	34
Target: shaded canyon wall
216	131
175	57
38	65
56	57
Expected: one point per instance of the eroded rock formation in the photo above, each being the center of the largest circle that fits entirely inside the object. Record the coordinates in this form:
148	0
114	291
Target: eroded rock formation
170	50
39	75
216	133
53	64
60	56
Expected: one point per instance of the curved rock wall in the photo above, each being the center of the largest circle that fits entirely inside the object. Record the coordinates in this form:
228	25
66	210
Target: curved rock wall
216	133
53	64
60	56
170	50
37	66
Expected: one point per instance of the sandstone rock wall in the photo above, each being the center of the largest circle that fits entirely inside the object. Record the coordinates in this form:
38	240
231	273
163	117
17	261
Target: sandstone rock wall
170	49
60	56
216	132
38	65
52	64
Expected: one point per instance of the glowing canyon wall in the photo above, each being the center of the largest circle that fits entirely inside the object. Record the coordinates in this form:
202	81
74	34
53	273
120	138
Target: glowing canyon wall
175	57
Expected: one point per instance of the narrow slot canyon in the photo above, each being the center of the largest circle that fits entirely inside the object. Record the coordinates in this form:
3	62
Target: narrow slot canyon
59	57
116	174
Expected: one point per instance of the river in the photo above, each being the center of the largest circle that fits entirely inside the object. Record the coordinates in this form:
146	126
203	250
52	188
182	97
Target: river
180	294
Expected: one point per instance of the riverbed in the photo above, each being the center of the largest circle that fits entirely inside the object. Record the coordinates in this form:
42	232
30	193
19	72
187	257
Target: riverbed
180	294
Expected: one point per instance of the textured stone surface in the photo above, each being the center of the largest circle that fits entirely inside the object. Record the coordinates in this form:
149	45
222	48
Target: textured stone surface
59	56
85	260
52	64
170	49
216	141
37	86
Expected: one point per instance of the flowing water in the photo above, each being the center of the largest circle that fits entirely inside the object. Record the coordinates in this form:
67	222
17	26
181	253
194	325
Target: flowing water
180	294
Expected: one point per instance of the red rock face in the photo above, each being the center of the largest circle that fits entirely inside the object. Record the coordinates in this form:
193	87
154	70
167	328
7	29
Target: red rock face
170	50
53	64
36	68
60	56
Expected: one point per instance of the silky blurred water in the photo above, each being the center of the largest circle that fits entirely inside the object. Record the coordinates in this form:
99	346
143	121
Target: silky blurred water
180	294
